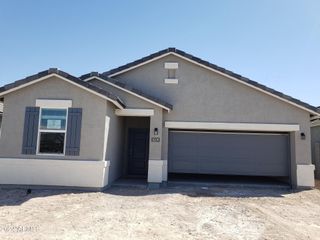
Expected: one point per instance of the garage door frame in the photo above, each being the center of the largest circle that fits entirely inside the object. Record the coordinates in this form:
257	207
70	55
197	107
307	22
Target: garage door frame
290	129
288	148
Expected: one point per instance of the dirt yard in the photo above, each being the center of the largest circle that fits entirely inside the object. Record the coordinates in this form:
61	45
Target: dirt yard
172	213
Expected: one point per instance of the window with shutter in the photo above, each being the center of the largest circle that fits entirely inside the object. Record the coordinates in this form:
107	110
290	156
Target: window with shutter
30	131
74	131
52	128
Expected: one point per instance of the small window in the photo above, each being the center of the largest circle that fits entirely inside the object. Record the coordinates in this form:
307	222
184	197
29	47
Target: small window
52	131
172	68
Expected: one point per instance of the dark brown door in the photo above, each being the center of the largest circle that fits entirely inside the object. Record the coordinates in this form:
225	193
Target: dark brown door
138	151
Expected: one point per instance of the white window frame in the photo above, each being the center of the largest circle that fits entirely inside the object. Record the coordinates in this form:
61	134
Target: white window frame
171	81
52	104
172	68
171	65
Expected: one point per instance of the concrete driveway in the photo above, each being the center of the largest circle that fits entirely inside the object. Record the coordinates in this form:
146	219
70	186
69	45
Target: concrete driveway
172	213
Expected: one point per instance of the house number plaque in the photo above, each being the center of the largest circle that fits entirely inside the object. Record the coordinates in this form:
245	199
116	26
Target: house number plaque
155	139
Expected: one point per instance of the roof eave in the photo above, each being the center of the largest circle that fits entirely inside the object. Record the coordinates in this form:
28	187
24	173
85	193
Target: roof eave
19	84
106	80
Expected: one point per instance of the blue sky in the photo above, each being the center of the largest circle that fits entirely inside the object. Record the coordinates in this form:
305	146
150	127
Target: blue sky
276	43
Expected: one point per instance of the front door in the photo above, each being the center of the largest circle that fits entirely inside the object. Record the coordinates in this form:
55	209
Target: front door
138	151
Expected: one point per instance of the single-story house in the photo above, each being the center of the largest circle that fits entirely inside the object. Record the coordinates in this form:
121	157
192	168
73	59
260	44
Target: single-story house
167	113
315	143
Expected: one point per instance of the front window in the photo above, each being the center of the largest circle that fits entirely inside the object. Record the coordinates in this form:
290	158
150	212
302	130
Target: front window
52	131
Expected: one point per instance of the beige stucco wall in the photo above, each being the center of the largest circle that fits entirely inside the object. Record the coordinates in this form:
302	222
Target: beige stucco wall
115	143
315	144
58	172
130	100
156	121
315	137
203	95
93	118
0	123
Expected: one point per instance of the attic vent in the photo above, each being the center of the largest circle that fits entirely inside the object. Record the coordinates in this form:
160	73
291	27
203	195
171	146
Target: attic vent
172	69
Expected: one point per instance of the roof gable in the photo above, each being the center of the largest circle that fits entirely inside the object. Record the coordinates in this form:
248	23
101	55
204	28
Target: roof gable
125	87
66	77
222	71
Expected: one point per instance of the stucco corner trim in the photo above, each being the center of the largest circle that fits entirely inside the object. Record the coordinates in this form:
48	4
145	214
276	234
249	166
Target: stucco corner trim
106	134
305	175
134	112
155	171
53	103
233	126
107	163
156	162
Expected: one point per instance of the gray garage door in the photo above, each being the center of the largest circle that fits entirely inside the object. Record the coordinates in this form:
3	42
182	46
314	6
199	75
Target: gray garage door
255	154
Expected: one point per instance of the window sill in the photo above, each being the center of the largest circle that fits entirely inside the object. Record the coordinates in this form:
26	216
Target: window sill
51	154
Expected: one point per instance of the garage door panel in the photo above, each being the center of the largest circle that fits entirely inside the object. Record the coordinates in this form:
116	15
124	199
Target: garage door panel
228	153
183	166
246	169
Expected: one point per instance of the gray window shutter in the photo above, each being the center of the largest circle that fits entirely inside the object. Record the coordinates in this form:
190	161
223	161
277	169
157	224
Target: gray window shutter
30	131
74	131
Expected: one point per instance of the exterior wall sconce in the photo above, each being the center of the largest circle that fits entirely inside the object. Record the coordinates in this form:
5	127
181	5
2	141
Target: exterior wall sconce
303	136
155	131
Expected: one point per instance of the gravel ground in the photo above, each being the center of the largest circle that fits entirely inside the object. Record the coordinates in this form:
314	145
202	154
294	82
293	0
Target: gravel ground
172	213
